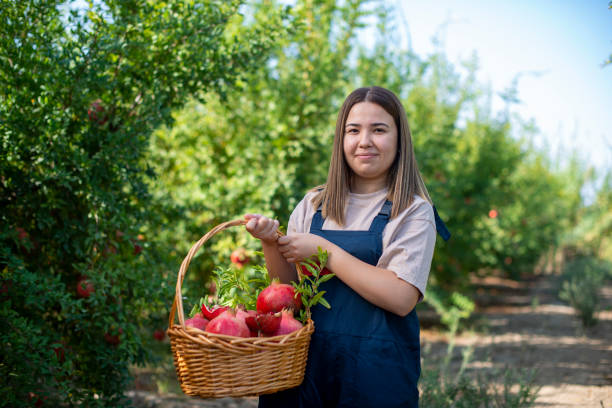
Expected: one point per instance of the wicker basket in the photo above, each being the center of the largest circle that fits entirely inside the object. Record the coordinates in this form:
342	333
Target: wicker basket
212	365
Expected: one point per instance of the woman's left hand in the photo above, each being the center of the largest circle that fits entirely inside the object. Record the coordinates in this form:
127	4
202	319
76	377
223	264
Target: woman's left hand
298	247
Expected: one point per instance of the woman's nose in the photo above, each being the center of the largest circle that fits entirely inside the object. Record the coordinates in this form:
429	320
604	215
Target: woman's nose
365	138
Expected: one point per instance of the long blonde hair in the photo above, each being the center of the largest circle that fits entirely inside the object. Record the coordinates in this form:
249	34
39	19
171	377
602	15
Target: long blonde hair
404	180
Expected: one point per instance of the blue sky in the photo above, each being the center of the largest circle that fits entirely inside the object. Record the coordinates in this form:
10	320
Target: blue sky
557	47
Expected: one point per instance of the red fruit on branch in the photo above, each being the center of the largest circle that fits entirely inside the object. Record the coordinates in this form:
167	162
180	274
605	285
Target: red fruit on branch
97	113
113	339
276	297
137	249
60	354
228	324
214	311
239	257
493	213
84	287
159	335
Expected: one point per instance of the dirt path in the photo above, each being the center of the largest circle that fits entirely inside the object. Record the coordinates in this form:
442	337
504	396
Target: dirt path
521	325
527	327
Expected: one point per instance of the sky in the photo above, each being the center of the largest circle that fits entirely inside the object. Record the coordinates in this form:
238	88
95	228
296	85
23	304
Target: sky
555	47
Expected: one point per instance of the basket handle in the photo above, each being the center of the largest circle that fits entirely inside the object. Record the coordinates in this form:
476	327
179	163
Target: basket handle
177	305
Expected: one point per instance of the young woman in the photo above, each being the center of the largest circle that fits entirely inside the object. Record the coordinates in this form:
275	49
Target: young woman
375	219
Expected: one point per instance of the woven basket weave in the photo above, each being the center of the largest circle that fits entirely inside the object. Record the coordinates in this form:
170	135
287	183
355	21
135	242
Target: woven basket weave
211	365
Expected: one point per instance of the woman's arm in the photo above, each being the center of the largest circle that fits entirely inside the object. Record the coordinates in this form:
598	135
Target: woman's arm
379	286
265	229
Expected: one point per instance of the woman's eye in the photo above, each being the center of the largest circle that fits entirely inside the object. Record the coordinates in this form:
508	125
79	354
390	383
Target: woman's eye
352	131
379	130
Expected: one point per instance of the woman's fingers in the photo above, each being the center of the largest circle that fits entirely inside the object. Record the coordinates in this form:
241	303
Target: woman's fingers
261	227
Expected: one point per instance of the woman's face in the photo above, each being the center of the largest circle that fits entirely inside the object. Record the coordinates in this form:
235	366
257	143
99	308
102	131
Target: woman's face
370	146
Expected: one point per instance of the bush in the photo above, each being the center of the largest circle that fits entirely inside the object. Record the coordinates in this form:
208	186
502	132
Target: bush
441	387
582	278
84	277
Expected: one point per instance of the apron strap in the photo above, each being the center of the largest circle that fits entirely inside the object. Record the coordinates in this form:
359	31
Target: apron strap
317	220
380	221
440	226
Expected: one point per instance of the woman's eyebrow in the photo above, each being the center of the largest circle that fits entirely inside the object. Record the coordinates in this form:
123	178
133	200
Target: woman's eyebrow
373	124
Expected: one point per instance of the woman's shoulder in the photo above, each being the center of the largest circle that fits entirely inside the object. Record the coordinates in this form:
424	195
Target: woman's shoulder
420	208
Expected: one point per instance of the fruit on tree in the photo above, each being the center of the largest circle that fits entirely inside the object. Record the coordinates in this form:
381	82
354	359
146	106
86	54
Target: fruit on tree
113	339
239	257
159	335
97	113
84	287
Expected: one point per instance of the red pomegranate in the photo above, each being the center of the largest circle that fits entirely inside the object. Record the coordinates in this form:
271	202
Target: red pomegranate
249	317
198	321
228	324
268	323
239	257
276	297
288	324
84	287
213	311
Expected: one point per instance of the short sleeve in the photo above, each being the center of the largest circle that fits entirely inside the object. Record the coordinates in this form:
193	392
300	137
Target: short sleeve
408	244
301	217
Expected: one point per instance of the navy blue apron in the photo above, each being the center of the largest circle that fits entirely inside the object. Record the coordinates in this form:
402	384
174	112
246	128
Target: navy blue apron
360	355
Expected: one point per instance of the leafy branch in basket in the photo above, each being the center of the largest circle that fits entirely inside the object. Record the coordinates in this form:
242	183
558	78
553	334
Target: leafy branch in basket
308	284
236	287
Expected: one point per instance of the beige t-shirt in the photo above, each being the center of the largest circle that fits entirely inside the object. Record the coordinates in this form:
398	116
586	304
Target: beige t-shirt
408	240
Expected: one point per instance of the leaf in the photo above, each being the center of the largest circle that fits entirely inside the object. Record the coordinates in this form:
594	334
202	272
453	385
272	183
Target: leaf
324	303
325	278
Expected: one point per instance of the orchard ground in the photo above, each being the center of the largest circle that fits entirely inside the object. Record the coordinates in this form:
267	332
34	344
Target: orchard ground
517	325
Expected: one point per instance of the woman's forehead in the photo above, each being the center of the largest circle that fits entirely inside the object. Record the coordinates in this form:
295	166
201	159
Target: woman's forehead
368	113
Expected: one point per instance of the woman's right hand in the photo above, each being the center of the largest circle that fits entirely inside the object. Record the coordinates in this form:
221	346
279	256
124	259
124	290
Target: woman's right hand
262	227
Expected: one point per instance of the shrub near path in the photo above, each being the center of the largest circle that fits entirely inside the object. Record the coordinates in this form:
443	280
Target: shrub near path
526	326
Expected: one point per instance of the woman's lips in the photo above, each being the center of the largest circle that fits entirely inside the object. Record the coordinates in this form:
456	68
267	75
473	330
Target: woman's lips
365	156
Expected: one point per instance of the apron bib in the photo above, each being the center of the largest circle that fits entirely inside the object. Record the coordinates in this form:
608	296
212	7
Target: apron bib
360	355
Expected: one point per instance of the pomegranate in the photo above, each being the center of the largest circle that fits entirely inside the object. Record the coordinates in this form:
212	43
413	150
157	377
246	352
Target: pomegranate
249	317
268	322
239	257
97	112
159	335
288	324
84	287
213	311
228	324
113	339
198	321
276	297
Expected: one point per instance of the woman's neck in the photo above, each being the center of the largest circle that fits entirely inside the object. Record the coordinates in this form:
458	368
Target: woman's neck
361	186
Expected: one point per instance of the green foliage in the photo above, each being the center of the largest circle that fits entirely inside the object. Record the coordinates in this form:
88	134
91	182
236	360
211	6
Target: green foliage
307	286
502	200
510	388
266	143
80	92
240	286
580	285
